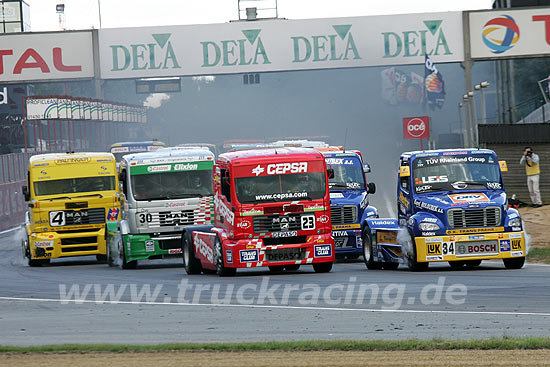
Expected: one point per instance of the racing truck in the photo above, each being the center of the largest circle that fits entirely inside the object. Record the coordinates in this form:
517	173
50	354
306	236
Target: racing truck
272	209
127	147
164	191
452	208
349	203
71	197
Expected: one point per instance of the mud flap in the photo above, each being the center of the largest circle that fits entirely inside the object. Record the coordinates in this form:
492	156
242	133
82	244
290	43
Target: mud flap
385	245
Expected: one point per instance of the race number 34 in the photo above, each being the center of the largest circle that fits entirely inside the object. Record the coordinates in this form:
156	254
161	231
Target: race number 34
308	222
57	218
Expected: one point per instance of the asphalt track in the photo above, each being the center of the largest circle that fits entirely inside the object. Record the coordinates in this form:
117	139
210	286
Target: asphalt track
348	303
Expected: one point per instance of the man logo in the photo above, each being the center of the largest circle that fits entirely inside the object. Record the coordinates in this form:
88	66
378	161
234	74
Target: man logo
500	34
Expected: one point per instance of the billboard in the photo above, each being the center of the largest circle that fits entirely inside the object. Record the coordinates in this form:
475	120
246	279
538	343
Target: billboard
279	45
416	127
506	33
46	56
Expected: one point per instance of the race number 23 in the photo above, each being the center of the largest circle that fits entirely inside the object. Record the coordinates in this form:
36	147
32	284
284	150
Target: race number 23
57	218
308	222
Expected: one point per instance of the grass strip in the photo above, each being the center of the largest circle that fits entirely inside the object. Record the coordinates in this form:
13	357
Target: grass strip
539	255
298	346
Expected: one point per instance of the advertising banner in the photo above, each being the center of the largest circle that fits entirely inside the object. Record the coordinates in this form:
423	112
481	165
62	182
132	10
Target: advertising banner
416	127
96	110
505	33
278	45
41	108
64	110
47	56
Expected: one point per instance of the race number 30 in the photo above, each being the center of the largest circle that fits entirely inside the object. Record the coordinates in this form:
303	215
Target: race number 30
57	218
308	222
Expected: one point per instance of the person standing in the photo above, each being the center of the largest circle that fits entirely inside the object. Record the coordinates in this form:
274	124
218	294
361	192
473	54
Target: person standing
531	162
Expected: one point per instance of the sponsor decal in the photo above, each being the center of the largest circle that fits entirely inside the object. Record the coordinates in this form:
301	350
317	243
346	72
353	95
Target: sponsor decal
430	179
478	237
468	198
284	234
429	220
336	195
244	224
340	161
72	160
434	258
249	212
149	246
315	208
186	167
421	189
229	256
339	234
225	212
43	243
516	229
174	251
202	248
345	226
504	245
424	205
516	253
119	150
113	214
434	240
326	47
323	250
516	244
494	185
500	34
281	168
231	52
426	234
515	235
155	53
248	255
323	219
475	230
163	168
403	200
364	203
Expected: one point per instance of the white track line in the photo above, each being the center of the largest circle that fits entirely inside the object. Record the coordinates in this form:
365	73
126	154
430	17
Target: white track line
502	313
10	230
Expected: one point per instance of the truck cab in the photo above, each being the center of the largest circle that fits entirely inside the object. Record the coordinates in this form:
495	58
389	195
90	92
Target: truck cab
349	203
272	209
165	191
71	198
452	207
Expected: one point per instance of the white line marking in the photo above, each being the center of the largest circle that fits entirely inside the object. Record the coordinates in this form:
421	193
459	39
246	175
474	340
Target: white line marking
79	301
10	230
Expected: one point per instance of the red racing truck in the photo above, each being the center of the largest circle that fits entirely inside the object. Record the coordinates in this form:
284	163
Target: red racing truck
272	208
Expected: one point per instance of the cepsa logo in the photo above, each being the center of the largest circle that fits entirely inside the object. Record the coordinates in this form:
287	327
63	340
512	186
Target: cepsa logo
500	34
281	168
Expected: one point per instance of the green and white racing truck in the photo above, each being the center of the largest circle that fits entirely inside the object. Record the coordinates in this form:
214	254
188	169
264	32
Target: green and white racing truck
164	191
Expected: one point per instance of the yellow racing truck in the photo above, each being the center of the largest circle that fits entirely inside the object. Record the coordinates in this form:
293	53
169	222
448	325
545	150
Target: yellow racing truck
71	197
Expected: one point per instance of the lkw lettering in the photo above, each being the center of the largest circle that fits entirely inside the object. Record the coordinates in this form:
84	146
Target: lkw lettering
151	56
282	168
332	47
417	43
434	248
236	52
31	59
482	248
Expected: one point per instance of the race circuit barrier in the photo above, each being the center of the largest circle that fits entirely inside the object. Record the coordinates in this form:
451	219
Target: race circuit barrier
13	168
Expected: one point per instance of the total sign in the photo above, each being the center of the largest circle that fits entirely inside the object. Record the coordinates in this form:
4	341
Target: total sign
416	127
507	33
27	57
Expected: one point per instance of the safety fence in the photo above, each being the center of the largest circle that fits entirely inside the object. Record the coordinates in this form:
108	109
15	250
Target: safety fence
13	168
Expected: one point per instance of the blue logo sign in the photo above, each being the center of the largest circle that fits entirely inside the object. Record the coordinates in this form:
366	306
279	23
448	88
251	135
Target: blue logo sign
248	255
229	256
323	250
504	245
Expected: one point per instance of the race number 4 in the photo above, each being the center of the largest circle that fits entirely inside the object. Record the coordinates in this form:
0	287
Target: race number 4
308	222
57	218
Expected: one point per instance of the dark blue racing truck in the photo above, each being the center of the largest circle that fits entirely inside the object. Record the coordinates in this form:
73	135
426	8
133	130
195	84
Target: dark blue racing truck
452	208
349	203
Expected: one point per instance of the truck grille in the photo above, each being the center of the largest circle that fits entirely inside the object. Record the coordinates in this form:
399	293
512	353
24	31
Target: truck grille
172	218
346	214
465	218
84	216
276	223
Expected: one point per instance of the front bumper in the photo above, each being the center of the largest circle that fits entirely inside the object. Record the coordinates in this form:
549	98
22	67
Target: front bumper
145	246
253	253
471	247
52	245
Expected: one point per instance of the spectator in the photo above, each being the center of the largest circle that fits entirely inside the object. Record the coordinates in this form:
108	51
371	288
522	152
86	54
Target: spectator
531	162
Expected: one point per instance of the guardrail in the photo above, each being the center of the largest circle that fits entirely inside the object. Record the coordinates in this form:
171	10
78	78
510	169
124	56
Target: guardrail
13	170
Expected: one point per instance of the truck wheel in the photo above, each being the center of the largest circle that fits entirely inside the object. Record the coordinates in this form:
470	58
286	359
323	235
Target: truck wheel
514	263
473	263
221	270
110	253
190	262
367	251
276	268
125	264
412	260
292	267
456	264
322	267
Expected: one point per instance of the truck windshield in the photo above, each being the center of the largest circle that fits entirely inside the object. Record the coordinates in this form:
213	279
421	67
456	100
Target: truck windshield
74	185
456	172
348	174
277	188
172	185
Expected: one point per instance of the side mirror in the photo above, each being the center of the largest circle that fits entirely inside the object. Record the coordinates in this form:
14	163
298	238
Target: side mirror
330	172
122	176
371	188
366	168
26	193
404	171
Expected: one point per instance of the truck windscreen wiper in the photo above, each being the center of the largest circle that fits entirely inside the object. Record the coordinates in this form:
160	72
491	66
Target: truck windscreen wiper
343	185
59	198
83	196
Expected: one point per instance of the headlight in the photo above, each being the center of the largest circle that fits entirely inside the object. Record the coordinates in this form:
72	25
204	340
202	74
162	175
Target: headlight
516	222
425	227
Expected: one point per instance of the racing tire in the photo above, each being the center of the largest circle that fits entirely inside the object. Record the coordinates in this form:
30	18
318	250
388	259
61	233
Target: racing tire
123	263
27	253
276	268
390	266
473	263
322	267
191	264
110	254
221	270
457	264
412	259
367	251
292	267
514	263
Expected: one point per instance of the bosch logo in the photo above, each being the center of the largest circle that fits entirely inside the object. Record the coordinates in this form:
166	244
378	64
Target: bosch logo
323	219
500	34
416	127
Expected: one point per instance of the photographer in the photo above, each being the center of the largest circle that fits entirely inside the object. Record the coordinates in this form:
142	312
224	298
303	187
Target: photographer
531	162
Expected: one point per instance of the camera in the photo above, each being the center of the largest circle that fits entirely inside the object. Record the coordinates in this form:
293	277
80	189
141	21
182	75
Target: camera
529	153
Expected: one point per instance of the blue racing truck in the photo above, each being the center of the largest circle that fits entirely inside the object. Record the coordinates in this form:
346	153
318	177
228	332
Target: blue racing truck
349	203
452	208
